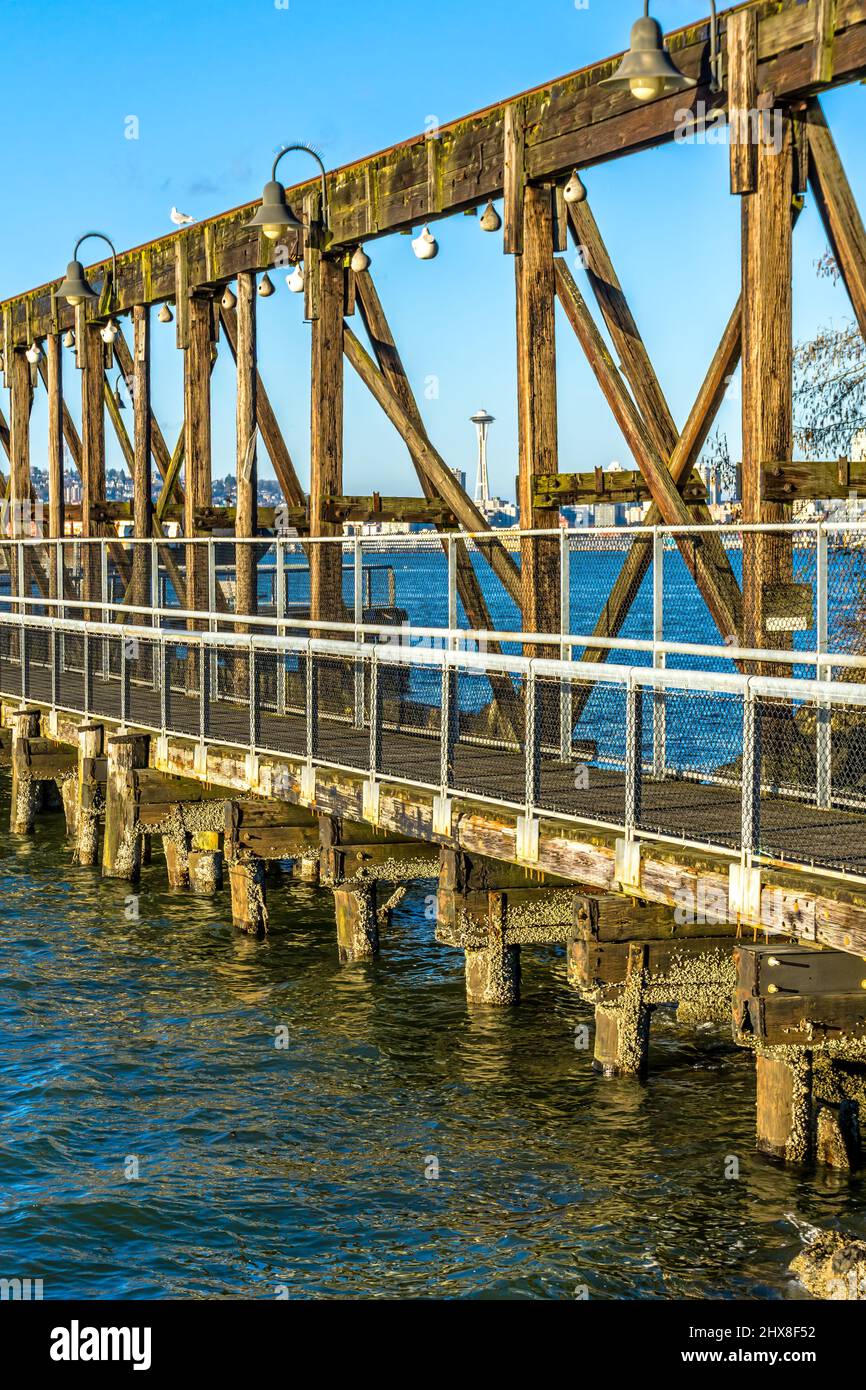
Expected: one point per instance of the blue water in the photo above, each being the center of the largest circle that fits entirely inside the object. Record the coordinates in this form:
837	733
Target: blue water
302	1170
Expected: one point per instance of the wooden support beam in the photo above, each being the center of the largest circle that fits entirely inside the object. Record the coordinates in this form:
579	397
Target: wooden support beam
536	409
588	489
432	462
92	425
820	479
375	508
514	178
269	430
19	473
742	98
56	493
634	359
825	35
326	441
767	370
142	485
197	438
838	208
716	582
790	995
246	516
162	456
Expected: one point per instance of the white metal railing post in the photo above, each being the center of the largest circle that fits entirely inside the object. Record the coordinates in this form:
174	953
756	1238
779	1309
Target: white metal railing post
449	728
532	745
633	756
164	675
124	672
358	614
280	611
254	704
565	651
212	603
22	651
312	706
106	612
823	671
660	709
751	779
375	715
451	556
19	555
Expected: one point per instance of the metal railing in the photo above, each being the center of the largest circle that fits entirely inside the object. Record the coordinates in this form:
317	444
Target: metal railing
757	768
415	580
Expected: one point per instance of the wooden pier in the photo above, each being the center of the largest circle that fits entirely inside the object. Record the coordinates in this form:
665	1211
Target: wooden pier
155	695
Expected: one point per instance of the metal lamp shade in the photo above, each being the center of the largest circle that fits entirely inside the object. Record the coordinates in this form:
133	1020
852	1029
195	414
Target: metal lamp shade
274	211
74	286
647	70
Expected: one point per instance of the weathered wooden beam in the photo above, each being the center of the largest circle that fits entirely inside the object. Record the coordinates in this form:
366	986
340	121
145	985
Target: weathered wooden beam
19	473
269	430
717	583
326	441
580	489
432	462
838	208
56	492
198	361
162	456
825	36
247	475
767	407
70	433
375	508
569	121
536	409
812	480
742	97
789	994
142	484
514	177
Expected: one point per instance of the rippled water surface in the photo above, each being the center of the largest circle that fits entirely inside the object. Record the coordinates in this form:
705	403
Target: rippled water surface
304	1167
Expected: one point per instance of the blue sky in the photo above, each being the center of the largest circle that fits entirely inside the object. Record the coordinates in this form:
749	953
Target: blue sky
217	86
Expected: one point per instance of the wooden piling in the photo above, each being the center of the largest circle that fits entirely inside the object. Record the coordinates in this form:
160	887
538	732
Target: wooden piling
357	923
205	863
90	798
249	905
26	791
176	852
121	847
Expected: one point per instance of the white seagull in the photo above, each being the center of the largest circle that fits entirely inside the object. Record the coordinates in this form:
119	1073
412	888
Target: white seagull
180	219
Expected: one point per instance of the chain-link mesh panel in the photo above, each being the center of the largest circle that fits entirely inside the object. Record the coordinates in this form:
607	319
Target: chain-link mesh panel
411	722
10	668
182	688
71	648
489	755
813	783
611	590
104	661
404	580
281	702
37	664
143	681
580	737
846	592
339	699
691	744
685	615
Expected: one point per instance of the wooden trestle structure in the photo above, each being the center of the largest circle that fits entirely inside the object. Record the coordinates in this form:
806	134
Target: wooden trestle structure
626	949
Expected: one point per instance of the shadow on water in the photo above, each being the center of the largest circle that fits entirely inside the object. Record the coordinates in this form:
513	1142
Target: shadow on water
150	1046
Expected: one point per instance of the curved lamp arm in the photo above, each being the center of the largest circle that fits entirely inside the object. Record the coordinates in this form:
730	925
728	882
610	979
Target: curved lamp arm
102	237
306	148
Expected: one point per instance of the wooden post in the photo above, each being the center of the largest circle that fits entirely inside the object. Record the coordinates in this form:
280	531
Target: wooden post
19	442
175	849
326	441
121	846
56	498
26	792
89	795
784	1104
246	515
493	971
247	883
197	441
536	408
767	370
205	863
357	924
90	348
142	496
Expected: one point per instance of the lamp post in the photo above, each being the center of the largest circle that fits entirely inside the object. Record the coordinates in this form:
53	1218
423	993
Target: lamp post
482	422
648	71
75	287
275	216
